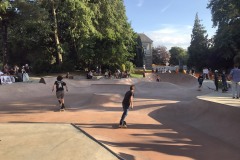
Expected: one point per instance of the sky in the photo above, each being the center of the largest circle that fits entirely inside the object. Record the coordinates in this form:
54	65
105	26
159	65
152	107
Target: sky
168	23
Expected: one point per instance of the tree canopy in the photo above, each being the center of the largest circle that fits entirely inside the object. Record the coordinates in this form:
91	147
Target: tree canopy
160	55
57	34
199	46
226	17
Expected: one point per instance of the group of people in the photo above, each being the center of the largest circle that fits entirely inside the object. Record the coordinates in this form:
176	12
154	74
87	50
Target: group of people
216	76
108	74
127	102
118	74
234	77
14	73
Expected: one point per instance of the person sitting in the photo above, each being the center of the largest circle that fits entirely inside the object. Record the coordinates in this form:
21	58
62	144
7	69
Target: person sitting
1	73
158	78
67	75
89	75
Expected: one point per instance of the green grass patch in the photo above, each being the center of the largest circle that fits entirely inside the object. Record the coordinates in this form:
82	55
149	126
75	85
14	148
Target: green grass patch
135	75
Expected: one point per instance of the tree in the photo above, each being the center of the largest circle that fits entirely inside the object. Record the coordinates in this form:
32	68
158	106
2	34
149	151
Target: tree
6	12
198	49
115	41
29	32
225	16
83	33
160	55
178	56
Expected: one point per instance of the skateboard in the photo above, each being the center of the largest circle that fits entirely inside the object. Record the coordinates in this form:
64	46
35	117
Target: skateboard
62	110
124	125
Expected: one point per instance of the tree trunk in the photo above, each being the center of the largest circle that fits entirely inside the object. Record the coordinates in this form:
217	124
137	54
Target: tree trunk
4	35
55	28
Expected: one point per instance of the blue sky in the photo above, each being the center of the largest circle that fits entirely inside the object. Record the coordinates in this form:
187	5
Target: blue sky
168	22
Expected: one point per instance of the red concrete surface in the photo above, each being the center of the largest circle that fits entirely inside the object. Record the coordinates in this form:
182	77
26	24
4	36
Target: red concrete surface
168	122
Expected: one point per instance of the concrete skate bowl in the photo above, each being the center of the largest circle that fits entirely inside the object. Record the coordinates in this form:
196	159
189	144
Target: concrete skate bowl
178	79
204	129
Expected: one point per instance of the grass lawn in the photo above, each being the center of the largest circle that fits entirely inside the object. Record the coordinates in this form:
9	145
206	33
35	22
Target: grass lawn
134	75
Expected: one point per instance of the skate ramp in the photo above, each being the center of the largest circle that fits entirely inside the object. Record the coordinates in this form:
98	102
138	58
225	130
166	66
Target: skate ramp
167	122
217	120
180	79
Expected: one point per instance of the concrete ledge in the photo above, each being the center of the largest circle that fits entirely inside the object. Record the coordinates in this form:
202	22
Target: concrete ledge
28	141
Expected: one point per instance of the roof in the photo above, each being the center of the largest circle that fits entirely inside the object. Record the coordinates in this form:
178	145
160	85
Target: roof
144	38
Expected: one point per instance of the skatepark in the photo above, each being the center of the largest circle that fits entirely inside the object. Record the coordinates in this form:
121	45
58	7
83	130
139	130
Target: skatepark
170	120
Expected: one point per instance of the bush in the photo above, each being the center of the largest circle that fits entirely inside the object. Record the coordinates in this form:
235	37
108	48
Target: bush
129	67
56	68
68	66
41	66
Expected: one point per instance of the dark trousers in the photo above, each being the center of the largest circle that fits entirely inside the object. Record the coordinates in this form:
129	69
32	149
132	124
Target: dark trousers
124	115
216	84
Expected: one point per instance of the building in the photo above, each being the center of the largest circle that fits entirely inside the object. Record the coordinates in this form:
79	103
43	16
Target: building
144	51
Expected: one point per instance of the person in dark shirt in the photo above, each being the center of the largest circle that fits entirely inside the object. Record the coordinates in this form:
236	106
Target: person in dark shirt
224	82
200	81
126	103
216	79
59	85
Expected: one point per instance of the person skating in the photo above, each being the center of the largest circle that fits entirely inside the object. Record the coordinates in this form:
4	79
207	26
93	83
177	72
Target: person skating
200	81
126	103
59	85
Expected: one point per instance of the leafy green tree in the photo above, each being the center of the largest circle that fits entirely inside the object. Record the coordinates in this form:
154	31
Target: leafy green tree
115	41
160	55
84	33
225	16
29	34
178	56
7	11
198	49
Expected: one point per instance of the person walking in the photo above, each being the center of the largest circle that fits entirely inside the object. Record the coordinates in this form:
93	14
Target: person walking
126	103
234	76
59	85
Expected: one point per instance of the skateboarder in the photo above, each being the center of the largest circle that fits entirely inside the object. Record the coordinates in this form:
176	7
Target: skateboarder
59	84
126	103
200	81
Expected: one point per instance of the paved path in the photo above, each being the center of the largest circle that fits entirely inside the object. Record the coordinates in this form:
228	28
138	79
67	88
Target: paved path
40	141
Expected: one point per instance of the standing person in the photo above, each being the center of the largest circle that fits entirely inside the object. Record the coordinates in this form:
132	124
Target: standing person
6	69
200	81
59	84
158	78
234	76
126	103
216	79
205	73
224	82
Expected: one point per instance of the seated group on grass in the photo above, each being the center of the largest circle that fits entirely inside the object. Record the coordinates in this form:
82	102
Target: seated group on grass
14	74
108	74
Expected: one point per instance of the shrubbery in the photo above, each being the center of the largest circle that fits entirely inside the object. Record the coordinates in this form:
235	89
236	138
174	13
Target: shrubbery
42	66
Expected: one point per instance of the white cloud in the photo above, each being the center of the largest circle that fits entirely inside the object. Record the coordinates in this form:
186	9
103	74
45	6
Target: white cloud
171	35
140	3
